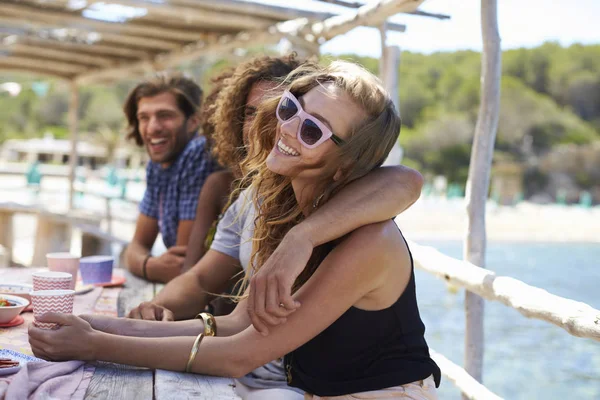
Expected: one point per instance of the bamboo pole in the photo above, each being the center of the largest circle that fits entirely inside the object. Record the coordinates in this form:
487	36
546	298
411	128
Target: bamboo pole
73	127
479	180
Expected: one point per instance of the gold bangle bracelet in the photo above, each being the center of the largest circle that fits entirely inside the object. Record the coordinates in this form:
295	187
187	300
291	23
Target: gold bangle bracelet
194	351
210	324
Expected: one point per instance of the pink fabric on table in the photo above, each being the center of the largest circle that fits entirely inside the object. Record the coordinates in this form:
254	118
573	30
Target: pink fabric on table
43	380
99	301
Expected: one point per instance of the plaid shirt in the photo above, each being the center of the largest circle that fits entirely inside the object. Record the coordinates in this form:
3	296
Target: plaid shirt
172	193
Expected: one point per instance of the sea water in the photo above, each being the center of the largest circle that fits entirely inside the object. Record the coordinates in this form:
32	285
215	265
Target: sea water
524	358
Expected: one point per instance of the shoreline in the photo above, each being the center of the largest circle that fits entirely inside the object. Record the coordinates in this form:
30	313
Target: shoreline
441	219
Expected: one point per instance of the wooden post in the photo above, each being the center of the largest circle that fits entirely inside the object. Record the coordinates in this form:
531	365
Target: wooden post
73	127
52	235
389	64
6	235
479	179
108	215
382	58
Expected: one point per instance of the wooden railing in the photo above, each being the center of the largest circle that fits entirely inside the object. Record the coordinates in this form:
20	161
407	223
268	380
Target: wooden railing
577	318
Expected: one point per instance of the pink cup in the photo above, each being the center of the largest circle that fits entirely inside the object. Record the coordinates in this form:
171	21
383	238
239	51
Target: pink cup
43	301
51	280
64	262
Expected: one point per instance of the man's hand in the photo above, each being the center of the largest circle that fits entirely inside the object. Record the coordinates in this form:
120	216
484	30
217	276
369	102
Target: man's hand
151	312
270	299
168	265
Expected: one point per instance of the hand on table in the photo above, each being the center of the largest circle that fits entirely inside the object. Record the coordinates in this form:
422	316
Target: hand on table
72	340
270	299
151	312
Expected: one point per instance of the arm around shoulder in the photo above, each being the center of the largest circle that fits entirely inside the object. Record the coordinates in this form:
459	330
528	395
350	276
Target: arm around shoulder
211	201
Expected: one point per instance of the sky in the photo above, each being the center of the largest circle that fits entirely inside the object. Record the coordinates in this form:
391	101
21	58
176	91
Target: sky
522	23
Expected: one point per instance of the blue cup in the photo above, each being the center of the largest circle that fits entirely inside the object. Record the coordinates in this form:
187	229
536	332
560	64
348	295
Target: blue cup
96	269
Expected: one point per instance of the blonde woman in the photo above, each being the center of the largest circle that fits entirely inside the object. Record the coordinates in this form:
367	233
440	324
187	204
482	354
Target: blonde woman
358	331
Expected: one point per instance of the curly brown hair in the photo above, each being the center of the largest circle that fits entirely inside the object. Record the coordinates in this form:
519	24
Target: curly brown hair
368	145
230	105
187	93
209	104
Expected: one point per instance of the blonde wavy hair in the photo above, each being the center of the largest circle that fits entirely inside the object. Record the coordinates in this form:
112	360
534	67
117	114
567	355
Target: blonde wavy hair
366	147
229	108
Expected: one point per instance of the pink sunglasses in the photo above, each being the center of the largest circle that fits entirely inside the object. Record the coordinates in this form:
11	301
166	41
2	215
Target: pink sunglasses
311	131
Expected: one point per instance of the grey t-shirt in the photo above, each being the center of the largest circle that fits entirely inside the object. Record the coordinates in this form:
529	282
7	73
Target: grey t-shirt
234	231
234	238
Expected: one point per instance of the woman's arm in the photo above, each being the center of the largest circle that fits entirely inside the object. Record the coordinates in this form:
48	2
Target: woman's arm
227	325
375	245
211	201
379	196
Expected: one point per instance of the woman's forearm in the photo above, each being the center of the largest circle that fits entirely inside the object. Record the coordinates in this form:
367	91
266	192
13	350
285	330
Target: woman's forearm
142	328
226	326
213	358
378	196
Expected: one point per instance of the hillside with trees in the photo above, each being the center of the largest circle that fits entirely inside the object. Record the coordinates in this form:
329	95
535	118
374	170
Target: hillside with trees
549	119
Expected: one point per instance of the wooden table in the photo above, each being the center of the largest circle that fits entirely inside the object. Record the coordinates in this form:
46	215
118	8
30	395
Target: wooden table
115	381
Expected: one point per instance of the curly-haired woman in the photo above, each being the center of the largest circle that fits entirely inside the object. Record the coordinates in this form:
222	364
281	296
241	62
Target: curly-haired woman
358	332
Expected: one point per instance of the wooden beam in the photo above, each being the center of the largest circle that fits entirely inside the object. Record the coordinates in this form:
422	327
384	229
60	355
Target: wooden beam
104	37
9	66
372	14
19	49
332	26
103	50
186	16
162	61
356	4
429	15
34	63
271	11
71	20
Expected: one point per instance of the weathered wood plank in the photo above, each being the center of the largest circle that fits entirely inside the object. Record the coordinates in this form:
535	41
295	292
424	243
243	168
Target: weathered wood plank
51	235
170	385
136	290
114	381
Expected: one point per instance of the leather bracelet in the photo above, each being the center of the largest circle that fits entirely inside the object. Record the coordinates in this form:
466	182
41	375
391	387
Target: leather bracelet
194	351
210	323
145	267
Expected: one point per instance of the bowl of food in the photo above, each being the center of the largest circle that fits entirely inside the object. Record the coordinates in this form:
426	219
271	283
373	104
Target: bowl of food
16	289
10	307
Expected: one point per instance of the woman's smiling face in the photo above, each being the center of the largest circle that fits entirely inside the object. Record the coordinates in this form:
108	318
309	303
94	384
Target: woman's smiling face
332	107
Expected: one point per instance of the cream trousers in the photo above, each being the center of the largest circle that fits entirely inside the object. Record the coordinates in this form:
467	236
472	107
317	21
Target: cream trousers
419	390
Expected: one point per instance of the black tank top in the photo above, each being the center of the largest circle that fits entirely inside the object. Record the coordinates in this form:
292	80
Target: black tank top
365	350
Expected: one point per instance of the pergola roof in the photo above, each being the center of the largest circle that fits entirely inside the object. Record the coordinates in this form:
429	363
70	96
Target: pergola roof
97	40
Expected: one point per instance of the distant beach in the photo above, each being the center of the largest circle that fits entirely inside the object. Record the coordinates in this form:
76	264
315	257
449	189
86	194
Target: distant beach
442	219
